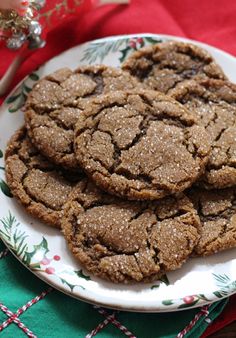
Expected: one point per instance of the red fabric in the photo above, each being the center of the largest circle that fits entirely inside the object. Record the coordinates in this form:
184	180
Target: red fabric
212	22
226	317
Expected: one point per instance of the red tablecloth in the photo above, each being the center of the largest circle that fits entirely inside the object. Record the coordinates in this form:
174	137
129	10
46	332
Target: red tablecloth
212	22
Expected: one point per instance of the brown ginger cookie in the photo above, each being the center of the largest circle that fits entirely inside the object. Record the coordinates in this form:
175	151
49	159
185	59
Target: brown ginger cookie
140	145
213	102
217	212
40	186
162	66
54	104
129	241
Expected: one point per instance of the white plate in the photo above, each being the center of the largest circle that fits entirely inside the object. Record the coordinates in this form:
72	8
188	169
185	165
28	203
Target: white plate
43	249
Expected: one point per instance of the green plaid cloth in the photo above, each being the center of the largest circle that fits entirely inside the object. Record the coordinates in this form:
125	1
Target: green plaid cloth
29	307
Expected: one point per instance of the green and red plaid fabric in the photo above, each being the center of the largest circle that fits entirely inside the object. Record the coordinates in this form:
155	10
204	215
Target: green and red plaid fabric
29	307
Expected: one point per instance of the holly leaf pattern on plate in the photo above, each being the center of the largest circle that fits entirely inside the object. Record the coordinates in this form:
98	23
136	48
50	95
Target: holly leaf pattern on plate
80	273
17	99
4	188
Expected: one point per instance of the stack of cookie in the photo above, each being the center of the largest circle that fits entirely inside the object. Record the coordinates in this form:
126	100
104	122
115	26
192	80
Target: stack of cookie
127	161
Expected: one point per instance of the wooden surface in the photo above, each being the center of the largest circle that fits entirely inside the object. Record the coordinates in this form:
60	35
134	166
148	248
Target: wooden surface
228	331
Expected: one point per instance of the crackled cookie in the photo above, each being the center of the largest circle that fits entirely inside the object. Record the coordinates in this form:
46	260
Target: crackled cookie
217	212
140	145
40	186
213	102
129	241
54	104
163	65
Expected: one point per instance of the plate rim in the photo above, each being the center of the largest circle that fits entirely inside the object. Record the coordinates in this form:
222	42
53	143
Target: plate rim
59	287
78	295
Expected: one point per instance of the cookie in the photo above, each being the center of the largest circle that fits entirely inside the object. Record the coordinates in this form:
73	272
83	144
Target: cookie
54	104
40	186
213	102
163	65
217	212
127	241
140	145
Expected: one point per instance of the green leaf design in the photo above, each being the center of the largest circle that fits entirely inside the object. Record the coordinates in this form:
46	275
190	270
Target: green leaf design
98	51
124	53
8	221
71	286
35	266
41	248
219	294
17	100
164	279
43	245
151	40
222	280
18	103
28	257
34	77
16	242
225	284
167	302
143	41
12	98
80	274
1	154
27	89
5	189
185	306
203	297
19	238
14	237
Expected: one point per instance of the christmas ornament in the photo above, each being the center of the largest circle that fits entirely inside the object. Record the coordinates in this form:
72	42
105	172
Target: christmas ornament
19	23
25	23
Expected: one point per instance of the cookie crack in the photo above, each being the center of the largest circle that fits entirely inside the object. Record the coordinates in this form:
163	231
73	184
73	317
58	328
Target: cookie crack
58	122
220	215
54	81
213	120
142	73
34	198
93	117
212	166
99	82
212	241
141	177
41	110
99	239
70	143
94	77
220	134
195	153
138	264
173	86
223	230
146	177
148	240
137	214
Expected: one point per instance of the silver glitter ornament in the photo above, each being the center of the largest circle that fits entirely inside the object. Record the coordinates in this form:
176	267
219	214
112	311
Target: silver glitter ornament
16	41
36	42
35	28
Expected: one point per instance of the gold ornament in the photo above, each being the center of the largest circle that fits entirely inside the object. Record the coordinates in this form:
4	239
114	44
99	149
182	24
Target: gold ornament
17	29
11	21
